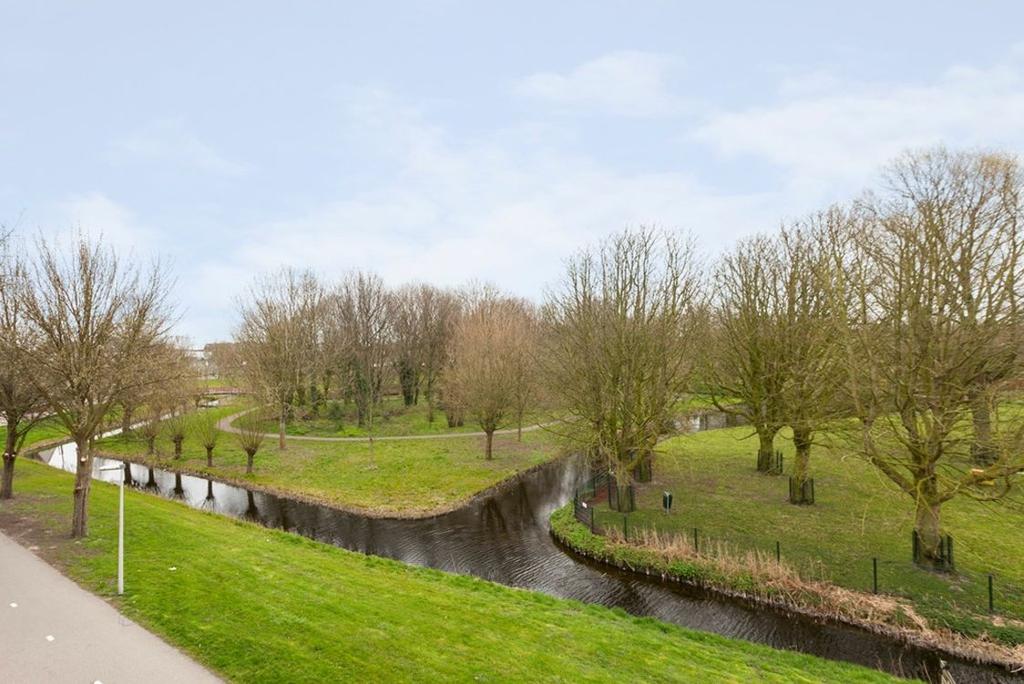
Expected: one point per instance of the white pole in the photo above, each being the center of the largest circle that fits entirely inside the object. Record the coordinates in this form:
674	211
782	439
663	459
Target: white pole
120	540
120	526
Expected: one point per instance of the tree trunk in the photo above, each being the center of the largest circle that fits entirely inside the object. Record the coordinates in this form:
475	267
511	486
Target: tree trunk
929	531
766	448
430	409
490	444
407	380
801	465
519	426
126	422
248	463
177	448
209	455
83	481
282	425
7	487
981	448
150	445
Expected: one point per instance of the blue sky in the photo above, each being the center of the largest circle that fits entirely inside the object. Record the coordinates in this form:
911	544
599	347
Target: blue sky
448	141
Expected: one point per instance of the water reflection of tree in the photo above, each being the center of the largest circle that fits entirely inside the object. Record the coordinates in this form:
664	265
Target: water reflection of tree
209	502
128	474
491	515
179	490
151	481
251	511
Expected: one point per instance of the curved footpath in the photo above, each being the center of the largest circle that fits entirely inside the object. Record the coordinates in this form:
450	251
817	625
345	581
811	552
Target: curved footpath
225	424
61	632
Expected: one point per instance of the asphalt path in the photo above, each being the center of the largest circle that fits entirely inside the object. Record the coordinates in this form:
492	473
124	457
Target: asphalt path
52	630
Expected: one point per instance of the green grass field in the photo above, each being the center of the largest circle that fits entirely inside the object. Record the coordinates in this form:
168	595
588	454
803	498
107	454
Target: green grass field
388	478
858	515
258	605
392	418
44	430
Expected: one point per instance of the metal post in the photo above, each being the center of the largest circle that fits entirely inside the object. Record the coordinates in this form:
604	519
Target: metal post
120	526
874	575
120	540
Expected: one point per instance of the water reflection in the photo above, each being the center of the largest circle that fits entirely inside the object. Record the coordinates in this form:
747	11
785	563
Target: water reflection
505	538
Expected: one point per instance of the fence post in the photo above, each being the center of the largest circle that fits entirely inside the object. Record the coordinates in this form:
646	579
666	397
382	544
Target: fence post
778	552
696	543
991	601
592	521
625	527
874	575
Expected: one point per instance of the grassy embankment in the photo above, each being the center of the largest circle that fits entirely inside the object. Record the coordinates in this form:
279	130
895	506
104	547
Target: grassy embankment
260	605
392	418
395	478
858	515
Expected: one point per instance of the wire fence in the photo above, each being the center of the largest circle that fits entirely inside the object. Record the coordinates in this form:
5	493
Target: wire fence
607	507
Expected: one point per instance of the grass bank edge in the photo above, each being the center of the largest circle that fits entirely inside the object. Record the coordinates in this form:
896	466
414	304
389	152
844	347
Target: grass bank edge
431	603
819	600
380	513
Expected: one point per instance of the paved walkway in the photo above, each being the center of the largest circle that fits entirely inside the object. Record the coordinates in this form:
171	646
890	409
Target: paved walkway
52	630
225	424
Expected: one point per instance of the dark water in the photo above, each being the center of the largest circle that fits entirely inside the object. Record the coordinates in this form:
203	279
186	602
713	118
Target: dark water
505	538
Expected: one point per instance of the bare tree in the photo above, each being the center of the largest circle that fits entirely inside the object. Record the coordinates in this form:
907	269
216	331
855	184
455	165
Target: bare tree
206	433
173	396
362	310
619	342
485	356
250	436
524	376
811	368
98	319
405	314
933	281
22	405
745	354
149	428
278	339
438	313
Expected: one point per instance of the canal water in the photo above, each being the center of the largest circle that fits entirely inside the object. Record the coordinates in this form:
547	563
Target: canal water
504	537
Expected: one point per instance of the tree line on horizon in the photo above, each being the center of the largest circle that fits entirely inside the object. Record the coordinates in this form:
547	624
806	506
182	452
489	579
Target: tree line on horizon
889	326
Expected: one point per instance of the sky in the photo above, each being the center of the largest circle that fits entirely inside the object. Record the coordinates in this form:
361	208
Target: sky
453	141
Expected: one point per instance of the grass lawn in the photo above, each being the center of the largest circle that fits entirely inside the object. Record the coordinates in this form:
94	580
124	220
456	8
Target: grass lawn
400	478
46	429
858	515
218	383
260	605
392	418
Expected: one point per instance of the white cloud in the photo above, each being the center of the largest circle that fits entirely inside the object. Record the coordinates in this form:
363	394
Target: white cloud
170	141
828	131
626	83
98	217
496	209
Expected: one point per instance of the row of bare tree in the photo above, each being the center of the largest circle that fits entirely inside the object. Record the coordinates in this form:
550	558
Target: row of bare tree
893	323
469	352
